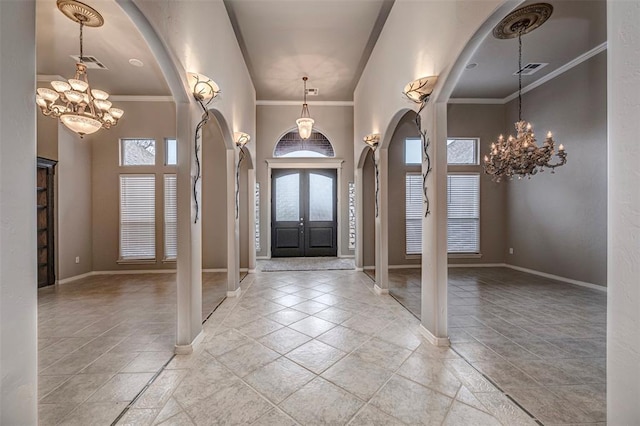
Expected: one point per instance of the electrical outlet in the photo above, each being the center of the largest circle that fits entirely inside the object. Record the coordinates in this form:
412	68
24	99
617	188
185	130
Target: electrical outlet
77	259
511	250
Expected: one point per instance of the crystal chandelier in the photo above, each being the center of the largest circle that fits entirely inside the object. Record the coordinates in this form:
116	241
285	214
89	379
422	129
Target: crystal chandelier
305	122
79	107
520	155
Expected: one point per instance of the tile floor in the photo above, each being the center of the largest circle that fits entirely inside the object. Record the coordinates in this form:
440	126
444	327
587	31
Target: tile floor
102	338
317	348
542	341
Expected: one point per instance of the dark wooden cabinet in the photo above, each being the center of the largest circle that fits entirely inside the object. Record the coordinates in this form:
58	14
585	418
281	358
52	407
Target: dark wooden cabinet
45	222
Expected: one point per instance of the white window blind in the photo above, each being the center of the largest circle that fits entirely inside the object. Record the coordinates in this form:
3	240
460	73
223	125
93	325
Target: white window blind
413	210
463	200
170	217
137	217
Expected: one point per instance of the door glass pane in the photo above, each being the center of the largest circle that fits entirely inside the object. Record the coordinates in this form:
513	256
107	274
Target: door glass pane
320	198
288	198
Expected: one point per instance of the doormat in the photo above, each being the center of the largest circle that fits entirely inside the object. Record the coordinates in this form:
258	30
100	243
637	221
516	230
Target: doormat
305	264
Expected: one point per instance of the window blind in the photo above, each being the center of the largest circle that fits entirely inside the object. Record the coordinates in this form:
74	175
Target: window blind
463	200
170	217
137	217
413	215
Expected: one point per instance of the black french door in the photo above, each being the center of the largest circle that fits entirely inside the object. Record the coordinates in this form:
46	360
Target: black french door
304	213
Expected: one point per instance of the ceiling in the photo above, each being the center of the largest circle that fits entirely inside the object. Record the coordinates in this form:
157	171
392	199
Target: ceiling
327	40
114	43
574	28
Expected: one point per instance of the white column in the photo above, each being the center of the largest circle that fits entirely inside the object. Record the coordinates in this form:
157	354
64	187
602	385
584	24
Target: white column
18	281
233	234
382	225
434	229
623	298
189	264
251	205
359	260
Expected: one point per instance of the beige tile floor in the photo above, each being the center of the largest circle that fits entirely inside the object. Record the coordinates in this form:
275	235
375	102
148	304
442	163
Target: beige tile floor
542	341
315	348
102	338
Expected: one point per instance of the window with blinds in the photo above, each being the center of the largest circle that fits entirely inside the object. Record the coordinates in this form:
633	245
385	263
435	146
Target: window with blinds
170	217
137	217
463	200
413	215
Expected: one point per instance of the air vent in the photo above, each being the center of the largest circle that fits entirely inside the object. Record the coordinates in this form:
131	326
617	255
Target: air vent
531	68
90	61
312	92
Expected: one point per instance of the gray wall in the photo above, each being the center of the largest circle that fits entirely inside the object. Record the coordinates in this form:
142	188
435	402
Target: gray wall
557	223
154	120
336	123
406	128
485	122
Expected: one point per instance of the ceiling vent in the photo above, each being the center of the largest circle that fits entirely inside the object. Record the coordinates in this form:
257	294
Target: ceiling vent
90	61
531	68
312	92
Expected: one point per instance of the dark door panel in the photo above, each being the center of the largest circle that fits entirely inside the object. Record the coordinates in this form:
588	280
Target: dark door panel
304	213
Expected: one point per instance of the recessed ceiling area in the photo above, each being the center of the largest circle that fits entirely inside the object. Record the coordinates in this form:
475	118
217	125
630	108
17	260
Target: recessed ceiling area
113	44
327	40
574	28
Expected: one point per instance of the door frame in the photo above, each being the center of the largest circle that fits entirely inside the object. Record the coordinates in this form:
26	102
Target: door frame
306	163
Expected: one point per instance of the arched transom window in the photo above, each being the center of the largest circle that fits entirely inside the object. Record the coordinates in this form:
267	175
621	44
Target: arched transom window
291	145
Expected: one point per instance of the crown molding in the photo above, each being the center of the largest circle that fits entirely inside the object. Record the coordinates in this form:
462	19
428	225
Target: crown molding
483	101
140	98
49	77
298	103
553	74
561	70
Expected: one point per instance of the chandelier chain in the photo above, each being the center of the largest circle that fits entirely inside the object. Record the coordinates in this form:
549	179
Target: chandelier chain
81	39
520	74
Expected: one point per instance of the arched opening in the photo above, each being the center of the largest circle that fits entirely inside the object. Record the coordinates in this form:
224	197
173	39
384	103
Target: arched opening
368	228
246	214
404	220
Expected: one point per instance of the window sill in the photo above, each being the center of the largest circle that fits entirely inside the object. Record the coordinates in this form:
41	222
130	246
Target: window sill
412	256
135	261
173	260
464	255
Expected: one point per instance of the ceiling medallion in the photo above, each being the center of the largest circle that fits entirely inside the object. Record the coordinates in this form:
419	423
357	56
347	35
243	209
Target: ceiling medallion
523	20
79	107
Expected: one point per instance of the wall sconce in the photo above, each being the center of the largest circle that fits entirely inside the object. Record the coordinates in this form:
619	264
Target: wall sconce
204	90
372	142
419	91
241	139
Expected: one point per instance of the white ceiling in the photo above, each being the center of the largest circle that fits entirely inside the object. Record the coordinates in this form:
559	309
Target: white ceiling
574	28
113	44
327	40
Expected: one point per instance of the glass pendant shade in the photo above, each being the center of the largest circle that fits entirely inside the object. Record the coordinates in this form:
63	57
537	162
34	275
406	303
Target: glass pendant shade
80	124
305	126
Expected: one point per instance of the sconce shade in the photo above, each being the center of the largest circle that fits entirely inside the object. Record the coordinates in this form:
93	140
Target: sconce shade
419	90
372	140
203	88
241	138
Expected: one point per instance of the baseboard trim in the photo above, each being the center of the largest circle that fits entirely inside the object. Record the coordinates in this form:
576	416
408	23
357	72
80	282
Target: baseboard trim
215	270
262	258
251	271
244	270
75	278
346	256
558	278
368	268
410	266
235	293
188	349
359	269
436	341
477	265
380	291
136	271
